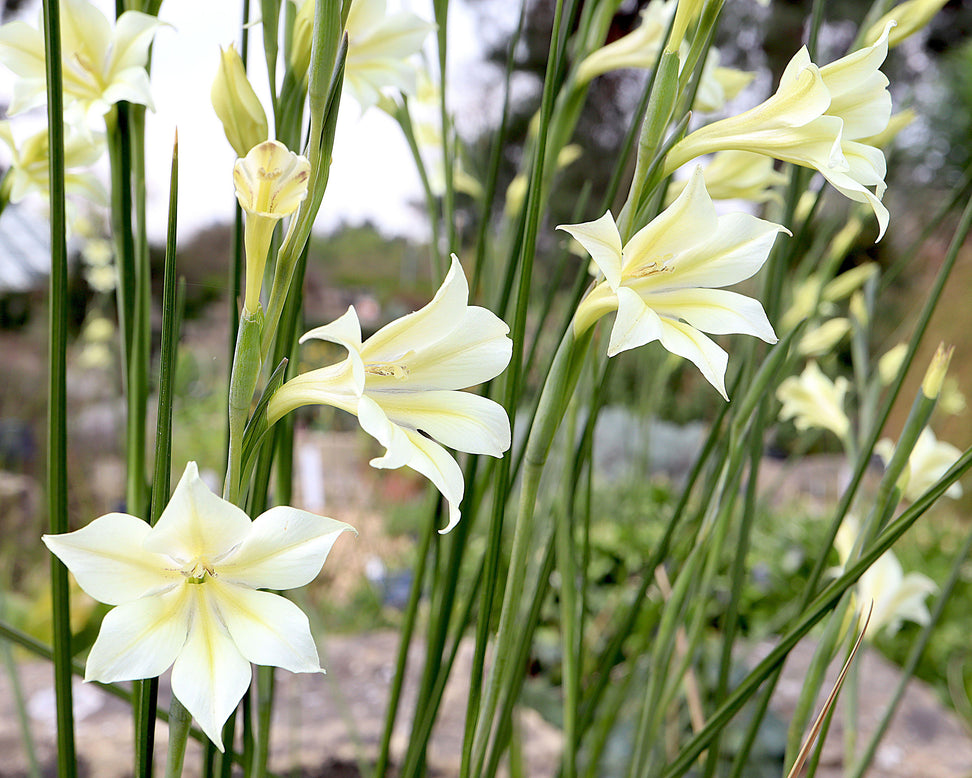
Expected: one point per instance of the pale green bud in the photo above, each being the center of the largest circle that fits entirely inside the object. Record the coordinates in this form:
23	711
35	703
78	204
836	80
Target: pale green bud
858	309
849	282
236	104
931	386
890	363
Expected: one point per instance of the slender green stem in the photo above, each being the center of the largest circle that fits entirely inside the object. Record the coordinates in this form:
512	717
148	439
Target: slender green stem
147	691
20	704
570	638
556	392
408	627
179	724
57	502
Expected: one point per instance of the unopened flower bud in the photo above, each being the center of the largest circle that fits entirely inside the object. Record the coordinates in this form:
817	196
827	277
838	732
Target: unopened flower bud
931	386
236	104
890	363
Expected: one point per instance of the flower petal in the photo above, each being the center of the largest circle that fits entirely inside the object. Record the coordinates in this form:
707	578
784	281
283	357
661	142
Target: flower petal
476	351
602	241
134	31
109	561
688	342
635	324
85	34
140	639
732	251
411	448
196	523
715	311
284	548
431	323
686	222
345	331
268	629
460	420
22	50
210	675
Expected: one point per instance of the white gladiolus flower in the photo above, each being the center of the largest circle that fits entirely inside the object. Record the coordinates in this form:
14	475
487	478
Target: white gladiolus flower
101	66
818	118
380	46
187	595
662	283
402	383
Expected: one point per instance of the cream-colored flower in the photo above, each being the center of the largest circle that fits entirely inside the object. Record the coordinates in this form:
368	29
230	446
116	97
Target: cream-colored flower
101	66
951	400
814	401
29	169
910	17
641	47
402	383
638	49
929	460
719	84
271	182
896	597
816	119
663	282
187	594
737	175
380	46
236	104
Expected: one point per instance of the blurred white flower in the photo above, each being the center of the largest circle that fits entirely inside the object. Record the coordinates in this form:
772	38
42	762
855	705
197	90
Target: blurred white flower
29	169
814	401
380	47
896	597
929	460
101	65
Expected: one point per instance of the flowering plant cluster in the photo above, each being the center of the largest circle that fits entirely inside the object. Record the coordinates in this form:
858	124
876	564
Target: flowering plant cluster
681	258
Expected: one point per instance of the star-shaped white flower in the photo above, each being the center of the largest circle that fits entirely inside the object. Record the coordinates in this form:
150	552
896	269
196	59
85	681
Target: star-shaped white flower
402	383
818	118
187	594
663	281
101	66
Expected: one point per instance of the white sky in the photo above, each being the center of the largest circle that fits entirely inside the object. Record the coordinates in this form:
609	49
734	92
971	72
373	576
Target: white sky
372	173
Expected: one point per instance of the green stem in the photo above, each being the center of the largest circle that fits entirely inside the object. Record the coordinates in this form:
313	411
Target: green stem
554	396
57	498
408	627
179	724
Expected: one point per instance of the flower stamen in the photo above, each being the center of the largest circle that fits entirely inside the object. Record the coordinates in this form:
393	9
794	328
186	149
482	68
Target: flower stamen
387	370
